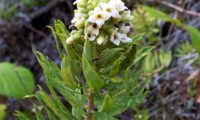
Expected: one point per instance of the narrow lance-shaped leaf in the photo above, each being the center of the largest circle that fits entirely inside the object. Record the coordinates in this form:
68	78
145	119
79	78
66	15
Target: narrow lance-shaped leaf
115	67
39	115
55	105
129	57
61	30
93	79
108	104
22	116
87	51
142	53
109	55
137	38
56	41
103	116
195	37
73	96
66	71
159	15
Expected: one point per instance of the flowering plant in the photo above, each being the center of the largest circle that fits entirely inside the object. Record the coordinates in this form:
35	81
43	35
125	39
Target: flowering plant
99	73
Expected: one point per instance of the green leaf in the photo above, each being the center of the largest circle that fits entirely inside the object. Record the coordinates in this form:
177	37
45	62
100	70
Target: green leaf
195	37
128	74
73	96
143	52
137	38
55	80
22	116
61	31
193	32
159	15
109	55
102	116
9	12
66	71
130	56
93	79
87	51
55	105
2	111
149	64
57	42
165	58
39	115
108	104
115	68
15	81
124	101
50	68
78	112
141	114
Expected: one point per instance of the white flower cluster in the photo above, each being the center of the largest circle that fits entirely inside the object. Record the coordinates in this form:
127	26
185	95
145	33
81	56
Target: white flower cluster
112	13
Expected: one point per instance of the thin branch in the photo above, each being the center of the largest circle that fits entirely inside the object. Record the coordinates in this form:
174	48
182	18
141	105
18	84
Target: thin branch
177	8
45	9
30	27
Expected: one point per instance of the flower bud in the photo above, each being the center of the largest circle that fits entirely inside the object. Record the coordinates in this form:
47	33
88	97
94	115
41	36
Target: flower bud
69	40
80	24
100	39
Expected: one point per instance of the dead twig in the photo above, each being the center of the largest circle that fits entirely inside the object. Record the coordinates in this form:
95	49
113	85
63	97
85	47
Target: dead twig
177	8
45	9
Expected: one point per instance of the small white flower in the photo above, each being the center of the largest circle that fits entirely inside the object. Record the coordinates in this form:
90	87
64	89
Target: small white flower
125	38
88	34
77	17
126	28
69	40
91	32
99	17
116	37
110	10
93	28
100	39
119	5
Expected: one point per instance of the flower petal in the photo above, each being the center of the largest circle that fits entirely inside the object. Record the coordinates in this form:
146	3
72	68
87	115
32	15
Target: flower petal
92	19
69	40
125	39
115	14
100	22
116	42
92	38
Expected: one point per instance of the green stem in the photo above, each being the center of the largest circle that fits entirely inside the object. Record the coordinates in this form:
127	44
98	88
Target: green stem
90	105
